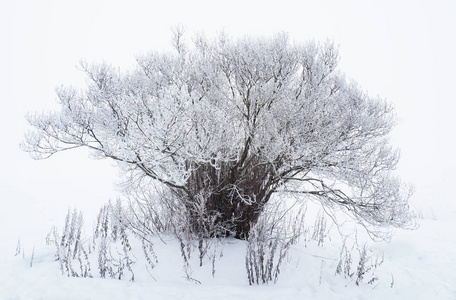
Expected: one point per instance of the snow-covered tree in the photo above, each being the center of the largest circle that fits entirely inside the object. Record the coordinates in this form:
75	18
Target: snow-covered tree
226	123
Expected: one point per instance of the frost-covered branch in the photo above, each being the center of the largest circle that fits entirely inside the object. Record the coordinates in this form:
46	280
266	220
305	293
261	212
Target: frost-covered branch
236	121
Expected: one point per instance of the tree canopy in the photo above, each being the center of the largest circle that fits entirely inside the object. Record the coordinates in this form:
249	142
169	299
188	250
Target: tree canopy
228	123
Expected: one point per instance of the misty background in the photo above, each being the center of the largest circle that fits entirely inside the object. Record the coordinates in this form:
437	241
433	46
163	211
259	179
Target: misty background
403	51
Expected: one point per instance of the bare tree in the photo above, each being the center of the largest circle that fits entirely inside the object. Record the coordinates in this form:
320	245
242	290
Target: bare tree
224	124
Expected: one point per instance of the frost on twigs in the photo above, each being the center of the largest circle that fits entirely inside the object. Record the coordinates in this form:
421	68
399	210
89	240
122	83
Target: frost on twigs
109	248
362	260
224	124
270	240
72	252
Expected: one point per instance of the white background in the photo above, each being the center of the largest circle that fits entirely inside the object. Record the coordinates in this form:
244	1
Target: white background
403	51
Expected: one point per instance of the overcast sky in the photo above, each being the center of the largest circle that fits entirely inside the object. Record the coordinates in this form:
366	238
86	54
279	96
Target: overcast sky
403	51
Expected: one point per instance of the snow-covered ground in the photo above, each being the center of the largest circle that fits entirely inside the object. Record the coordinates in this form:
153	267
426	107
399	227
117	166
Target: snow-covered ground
418	264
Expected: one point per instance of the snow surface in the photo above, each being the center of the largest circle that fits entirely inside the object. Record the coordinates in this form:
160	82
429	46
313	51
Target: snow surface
418	264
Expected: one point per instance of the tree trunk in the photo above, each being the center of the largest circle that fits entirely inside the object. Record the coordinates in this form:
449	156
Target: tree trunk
230	198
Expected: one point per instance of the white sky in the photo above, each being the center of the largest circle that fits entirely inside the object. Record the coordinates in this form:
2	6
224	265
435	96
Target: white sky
401	50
